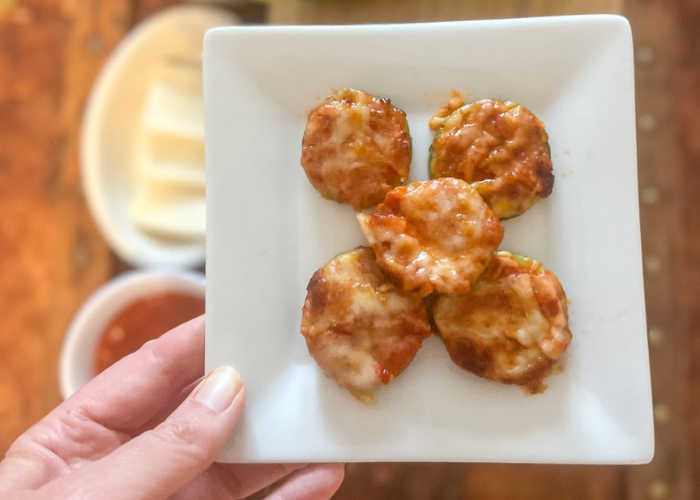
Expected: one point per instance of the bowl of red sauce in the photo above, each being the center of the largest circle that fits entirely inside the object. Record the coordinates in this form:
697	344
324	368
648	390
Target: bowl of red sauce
124	314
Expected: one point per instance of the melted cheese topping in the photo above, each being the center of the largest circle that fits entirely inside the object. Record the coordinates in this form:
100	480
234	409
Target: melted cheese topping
358	327
512	327
456	101
501	149
353	120
436	235
356	147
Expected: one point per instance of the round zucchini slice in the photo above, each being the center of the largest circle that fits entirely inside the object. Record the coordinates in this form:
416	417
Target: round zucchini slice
512	327
356	147
437	235
501	149
360	330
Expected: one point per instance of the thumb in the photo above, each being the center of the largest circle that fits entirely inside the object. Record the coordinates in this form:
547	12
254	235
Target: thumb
161	461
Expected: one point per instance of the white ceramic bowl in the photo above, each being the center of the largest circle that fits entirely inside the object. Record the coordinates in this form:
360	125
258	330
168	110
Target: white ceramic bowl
80	342
110	131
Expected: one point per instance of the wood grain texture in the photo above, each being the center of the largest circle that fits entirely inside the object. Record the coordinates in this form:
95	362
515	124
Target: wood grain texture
394	11
665	42
686	93
686	90
51	255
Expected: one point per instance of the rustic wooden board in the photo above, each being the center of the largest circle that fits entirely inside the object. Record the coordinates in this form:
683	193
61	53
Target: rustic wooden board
394	11
668	99
51	255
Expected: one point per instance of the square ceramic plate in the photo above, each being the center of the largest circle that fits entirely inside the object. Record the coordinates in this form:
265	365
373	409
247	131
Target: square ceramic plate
269	230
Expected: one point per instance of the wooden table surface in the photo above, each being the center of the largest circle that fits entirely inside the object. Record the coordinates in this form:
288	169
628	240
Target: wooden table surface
52	256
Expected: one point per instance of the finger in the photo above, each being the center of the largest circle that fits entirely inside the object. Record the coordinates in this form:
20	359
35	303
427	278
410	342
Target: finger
167	409
234	481
143	381
159	462
315	482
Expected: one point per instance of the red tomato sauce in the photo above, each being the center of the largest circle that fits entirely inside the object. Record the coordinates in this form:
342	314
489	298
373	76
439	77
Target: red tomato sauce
144	319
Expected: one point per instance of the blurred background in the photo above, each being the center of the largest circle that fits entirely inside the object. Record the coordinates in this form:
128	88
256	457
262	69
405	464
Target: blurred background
52	255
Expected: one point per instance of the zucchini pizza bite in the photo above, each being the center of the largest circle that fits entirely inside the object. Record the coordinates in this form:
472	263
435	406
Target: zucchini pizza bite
356	147
360	330
437	235
500	148
512	327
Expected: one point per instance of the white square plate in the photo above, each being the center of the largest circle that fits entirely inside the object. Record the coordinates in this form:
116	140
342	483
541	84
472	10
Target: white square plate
268	231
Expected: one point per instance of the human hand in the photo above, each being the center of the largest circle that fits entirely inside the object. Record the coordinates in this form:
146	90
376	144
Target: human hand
139	431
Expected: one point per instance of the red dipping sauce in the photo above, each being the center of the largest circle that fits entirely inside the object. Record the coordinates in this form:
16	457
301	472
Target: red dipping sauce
145	319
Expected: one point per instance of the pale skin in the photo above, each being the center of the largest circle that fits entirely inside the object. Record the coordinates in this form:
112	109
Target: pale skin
150	428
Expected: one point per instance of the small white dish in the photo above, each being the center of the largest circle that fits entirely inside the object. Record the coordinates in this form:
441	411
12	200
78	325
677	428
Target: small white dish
111	125
76	366
269	230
